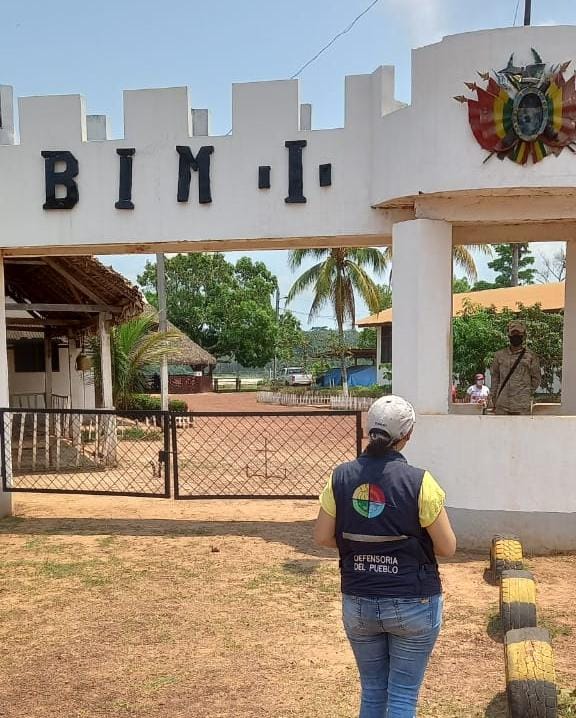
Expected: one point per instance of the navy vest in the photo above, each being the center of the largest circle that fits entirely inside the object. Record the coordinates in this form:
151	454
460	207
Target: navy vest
384	552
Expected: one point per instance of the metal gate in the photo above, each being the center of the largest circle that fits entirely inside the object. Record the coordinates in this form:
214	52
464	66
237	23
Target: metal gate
86	452
163	454
260	455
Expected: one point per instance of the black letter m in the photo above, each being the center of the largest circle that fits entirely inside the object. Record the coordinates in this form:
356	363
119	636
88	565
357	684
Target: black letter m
200	164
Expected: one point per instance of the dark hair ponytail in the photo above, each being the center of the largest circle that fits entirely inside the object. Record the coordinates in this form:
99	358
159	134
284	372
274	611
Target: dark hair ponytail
380	443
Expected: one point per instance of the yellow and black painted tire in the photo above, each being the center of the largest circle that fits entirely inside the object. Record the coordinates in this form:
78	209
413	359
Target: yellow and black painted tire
517	600
530	675
505	554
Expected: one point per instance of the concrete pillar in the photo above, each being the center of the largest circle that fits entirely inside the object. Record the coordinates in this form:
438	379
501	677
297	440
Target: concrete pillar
422	301
569	352
5	498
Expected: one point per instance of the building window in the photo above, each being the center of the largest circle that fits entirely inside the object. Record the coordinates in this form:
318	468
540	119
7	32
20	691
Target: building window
29	356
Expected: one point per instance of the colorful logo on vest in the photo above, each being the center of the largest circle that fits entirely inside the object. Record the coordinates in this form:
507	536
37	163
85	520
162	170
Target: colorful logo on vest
369	500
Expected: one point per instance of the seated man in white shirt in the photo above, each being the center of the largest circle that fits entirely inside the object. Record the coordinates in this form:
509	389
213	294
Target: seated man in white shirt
478	393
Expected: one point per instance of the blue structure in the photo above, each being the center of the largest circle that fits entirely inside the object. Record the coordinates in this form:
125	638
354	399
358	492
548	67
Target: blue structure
357	376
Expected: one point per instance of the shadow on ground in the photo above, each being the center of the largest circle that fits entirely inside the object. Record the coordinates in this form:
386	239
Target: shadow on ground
498	707
297	534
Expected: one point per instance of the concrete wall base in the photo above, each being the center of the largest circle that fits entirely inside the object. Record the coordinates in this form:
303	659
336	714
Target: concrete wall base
540	532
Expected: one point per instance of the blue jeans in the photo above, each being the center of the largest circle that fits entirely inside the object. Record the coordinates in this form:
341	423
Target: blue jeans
392	640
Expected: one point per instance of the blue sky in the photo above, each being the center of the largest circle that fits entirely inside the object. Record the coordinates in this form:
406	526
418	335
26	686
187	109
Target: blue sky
100	48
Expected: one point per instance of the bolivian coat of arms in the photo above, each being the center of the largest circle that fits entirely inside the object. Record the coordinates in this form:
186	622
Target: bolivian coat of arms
525	112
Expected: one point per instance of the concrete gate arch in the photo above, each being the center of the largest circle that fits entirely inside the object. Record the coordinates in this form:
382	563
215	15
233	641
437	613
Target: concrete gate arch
411	175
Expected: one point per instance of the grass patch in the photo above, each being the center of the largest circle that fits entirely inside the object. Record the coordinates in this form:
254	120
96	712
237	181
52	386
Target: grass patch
567	703
160	682
555	627
312	575
106	541
494	626
57	569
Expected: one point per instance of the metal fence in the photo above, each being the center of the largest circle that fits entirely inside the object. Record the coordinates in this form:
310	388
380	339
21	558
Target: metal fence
184	455
98	452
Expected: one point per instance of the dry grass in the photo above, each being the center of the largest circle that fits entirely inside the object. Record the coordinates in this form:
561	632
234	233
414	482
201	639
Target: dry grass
140	608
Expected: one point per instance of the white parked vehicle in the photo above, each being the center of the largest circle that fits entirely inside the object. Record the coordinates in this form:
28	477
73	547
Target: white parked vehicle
296	376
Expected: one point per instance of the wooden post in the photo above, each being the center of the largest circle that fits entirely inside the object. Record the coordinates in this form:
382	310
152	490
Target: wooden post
76	396
108	424
162	325
106	362
48	379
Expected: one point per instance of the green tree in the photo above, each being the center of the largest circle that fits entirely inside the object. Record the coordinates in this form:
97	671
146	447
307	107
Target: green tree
462	257
289	338
367	338
385	292
134	345
480	332
224	307
335	279
482	285
461	285
503	265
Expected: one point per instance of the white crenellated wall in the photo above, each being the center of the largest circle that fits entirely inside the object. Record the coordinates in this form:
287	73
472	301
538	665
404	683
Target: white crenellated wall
385	151
265	116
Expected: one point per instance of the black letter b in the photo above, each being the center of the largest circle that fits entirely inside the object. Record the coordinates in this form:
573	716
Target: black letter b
64	178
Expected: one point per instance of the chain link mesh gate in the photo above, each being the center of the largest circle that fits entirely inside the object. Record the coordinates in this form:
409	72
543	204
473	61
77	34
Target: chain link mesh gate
260	455
86	452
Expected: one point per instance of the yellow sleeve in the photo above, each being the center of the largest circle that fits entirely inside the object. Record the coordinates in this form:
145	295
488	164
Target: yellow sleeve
327	500
430	501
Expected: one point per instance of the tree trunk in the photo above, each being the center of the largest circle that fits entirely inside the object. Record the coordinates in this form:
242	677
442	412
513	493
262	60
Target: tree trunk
515	263
343	369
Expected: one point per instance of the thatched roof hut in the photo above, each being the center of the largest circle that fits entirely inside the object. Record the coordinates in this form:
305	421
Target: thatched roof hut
50	283
190	353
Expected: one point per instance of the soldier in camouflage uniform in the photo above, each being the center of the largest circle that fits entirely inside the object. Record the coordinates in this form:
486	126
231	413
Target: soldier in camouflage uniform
515	397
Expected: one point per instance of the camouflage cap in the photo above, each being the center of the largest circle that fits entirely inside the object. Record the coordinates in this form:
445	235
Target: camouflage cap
516	326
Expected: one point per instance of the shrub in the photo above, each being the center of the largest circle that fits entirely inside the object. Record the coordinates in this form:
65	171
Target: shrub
145	402
138	433
375	391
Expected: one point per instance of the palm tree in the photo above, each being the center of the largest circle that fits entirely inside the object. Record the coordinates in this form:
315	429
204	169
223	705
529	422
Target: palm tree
134	345
335	278
462	257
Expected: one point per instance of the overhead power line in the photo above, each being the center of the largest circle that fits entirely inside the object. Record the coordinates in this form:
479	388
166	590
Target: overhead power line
516	12
328	45
335	39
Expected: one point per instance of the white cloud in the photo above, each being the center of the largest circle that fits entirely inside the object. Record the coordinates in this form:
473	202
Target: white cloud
424	20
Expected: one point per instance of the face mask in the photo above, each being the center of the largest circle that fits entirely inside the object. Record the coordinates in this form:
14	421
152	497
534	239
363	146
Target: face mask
516	340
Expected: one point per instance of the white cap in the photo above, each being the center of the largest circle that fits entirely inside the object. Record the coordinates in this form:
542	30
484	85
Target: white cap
393	415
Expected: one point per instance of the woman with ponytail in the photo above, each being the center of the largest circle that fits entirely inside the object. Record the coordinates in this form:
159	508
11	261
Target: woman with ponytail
388	521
